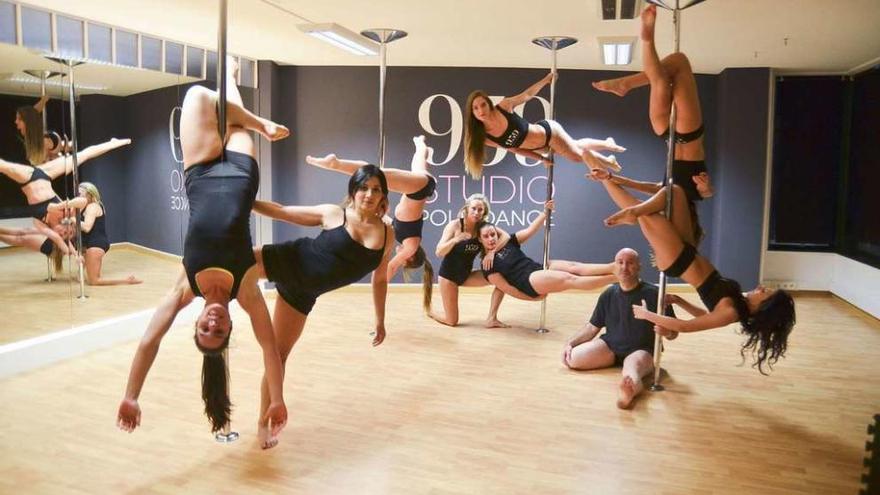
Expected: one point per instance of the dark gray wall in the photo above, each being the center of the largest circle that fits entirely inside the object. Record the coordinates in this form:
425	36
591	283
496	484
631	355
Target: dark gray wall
335	109
142	184
741	136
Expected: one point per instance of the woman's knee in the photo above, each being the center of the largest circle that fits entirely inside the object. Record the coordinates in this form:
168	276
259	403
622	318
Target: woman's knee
198	96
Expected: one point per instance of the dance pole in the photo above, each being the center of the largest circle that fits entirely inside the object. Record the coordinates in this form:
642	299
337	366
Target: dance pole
670	156
44	75
74	146
226	435
552	43
383	36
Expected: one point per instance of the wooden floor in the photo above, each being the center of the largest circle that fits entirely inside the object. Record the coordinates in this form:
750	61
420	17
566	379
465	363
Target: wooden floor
38	307
459	411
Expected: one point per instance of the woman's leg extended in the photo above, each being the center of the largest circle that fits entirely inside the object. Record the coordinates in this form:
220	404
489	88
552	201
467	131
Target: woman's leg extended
94	258
449	295
681	216
562	143
591	355
658	231
287	325
548	281
660	101
578	268
21	238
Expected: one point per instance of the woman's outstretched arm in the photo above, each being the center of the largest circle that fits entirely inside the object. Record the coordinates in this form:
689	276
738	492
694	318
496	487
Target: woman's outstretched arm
307	216
525	234
530	92
380	288
129	415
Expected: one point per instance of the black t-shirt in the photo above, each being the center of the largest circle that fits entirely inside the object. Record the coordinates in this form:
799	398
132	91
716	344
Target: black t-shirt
624	334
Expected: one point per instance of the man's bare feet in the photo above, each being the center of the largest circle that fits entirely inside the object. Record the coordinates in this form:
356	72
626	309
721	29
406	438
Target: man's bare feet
496	323
326	162
264	435
626	216
614	86
626	392
649	17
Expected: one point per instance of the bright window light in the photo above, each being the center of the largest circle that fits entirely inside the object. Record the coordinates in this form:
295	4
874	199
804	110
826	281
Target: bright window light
616	51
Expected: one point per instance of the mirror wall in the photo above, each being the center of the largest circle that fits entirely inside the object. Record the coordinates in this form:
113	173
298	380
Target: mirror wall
125	234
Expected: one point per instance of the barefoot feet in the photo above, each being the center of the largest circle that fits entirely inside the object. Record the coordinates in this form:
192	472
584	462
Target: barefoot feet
626	392
626	216
326	162
649	17
264	436
614	86
597	160
273	131
496	323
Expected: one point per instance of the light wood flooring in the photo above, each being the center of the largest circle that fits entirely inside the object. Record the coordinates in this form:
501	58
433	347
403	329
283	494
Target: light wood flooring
466	410
32	306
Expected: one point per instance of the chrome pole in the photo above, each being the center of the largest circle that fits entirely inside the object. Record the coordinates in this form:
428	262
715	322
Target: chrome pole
552	43
383	36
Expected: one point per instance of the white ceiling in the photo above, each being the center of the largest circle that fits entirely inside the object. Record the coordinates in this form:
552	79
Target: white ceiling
800	36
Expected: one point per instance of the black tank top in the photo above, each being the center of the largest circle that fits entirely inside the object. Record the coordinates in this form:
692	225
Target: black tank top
327	262
97	237
36	174
715	288
516	132
221	195
513	264
459	261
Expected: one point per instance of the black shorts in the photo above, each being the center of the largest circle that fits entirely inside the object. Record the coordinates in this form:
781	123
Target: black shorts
621	353
405	230
426	191
681	264
683	172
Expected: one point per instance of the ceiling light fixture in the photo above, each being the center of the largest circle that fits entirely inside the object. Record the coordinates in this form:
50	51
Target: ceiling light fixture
616	51
341	37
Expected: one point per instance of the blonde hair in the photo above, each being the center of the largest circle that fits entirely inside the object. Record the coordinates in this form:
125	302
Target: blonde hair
476	197
92	193
475	137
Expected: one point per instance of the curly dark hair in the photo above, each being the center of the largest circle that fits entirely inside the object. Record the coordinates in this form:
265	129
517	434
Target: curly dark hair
767	330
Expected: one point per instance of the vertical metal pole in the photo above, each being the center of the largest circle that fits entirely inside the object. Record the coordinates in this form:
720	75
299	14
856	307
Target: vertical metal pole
43	74
221	74
554	44
226	435
542	326
382	69
670	157
73	155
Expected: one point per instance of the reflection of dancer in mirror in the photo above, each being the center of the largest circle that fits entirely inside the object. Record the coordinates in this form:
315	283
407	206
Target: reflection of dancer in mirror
353	242
36	181
54	243
458	246
519	276
766	315
672	83
219	265
94	237
500	126
416	185
29	123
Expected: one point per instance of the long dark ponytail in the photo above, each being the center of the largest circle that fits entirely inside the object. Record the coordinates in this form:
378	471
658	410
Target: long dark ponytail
420	259
768	330
215	392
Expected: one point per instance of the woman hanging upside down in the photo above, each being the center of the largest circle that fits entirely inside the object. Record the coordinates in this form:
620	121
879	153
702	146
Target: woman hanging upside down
218	259
672	83
416	185
524	278
766	315
500	126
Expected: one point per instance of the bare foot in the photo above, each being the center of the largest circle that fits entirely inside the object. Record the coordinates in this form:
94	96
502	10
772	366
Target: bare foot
133	280
597	160
608	144
626	392
264	435
273	131
120	142
614	86
649	17
626	216
326	162
232	66
496	323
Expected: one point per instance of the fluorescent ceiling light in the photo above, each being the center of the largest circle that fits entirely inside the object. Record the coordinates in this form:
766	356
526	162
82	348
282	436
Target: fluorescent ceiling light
341	37
53	83
616	51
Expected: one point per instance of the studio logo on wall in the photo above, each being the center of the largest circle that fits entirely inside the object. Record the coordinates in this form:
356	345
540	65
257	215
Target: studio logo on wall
178	198
509	194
